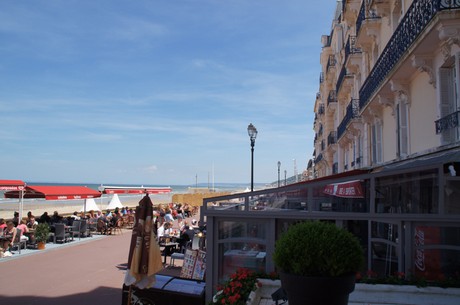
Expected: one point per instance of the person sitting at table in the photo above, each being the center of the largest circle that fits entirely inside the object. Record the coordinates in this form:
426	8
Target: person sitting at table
16	218
163	229
9	234
75	216
31	221
114	219
24	230
56	218
2	224
45	218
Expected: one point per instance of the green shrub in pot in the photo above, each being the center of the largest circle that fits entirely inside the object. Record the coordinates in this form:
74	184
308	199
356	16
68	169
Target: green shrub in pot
317	262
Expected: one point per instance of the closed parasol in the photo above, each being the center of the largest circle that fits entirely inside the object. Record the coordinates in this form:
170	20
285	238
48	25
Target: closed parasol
144	259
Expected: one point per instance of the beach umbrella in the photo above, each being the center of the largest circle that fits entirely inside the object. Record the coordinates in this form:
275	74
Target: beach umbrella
144	259
114	203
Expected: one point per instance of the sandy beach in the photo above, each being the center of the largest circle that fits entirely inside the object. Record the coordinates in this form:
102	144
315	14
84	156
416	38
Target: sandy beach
38	207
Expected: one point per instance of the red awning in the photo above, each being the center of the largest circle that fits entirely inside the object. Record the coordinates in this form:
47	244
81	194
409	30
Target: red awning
135	190
349	189
51	192
12	185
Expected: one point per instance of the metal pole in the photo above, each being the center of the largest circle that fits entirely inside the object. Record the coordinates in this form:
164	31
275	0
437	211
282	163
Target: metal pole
252	165
279	165
285	173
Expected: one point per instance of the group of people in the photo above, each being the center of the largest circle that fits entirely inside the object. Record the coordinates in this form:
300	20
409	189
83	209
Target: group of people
10	229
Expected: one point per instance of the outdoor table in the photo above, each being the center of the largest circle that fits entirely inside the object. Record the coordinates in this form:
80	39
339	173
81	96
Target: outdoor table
168	247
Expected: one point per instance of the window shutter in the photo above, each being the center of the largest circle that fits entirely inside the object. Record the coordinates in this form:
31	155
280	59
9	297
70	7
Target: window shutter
447	94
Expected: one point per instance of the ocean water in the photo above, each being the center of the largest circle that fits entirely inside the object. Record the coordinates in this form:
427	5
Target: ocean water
105	198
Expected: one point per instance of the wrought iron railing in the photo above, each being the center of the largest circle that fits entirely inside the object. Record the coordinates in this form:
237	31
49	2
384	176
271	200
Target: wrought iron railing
318	158
332	138
350	47
352	112
321	109
361	17
320	131
335	168
340	79
330	62
332	97
447	122
419	14
323	145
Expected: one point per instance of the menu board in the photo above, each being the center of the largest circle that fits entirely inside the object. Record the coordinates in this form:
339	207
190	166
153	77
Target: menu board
200	266
194	266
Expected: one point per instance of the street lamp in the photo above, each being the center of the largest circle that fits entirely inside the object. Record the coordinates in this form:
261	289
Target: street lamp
279	165
252	132
285	173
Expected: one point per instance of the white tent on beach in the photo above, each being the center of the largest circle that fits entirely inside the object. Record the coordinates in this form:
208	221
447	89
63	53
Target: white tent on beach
114	203
90	204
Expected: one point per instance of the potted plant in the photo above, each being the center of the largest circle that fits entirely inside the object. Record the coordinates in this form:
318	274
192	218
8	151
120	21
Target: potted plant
41	235
317	263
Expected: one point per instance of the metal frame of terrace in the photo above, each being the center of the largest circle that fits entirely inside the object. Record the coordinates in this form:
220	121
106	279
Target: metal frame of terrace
406	216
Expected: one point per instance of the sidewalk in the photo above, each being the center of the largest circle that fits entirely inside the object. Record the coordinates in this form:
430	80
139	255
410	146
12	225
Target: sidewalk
89	271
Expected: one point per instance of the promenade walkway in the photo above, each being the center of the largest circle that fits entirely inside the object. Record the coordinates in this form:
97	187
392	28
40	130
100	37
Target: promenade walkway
90	271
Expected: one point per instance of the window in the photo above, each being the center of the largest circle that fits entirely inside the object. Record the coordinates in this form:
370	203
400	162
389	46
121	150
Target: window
448	105
402	129
376	142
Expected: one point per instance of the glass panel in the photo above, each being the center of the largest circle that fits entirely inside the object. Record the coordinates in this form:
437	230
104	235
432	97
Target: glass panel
385	231
441	262
240	255
347	196
241	229
415	192
452	196
384	259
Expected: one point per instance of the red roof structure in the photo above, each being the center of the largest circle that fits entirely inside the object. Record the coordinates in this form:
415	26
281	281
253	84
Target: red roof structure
51	192
11	185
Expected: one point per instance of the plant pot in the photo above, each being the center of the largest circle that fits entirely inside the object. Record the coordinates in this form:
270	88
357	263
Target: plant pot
41	245
304	290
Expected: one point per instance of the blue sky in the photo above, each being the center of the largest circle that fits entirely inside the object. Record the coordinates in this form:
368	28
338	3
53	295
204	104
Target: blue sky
159	91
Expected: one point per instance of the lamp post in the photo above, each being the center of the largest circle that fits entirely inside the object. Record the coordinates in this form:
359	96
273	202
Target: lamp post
285	173
279	165
252	132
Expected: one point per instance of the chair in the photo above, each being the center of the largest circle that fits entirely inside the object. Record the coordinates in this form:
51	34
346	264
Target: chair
60	234
101	227
75	229
118	226
84	229
180	255
18	242
130	221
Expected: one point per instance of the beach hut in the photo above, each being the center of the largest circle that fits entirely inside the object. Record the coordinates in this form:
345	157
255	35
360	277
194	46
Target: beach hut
90	204
114	203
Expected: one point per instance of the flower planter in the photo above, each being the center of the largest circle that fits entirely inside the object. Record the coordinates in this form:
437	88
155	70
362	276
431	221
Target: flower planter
264	291
382	294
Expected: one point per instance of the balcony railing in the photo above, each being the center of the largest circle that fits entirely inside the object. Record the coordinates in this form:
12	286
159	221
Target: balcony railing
352	112
321	109
332	138
350	47
414	22
332	97
330	62
361	17
335	168
447	122
318	158
340	79
323	145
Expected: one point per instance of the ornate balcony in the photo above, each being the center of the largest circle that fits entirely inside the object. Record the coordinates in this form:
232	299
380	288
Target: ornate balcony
447	122
321	109
332	138
414	22
352	113
330	62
